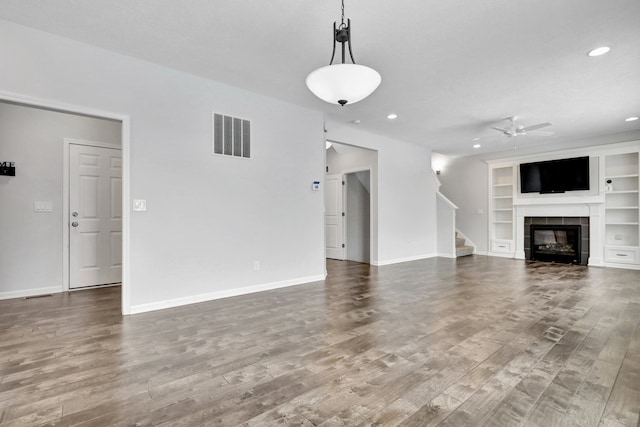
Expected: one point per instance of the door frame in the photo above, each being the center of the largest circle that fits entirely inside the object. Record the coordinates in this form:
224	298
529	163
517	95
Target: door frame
345	192
66	244
125	139
341	218
371	207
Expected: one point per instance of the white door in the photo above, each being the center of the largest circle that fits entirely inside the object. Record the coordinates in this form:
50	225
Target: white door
95	216
333	223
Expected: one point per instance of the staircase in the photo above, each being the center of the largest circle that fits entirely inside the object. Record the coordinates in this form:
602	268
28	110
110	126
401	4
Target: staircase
461	248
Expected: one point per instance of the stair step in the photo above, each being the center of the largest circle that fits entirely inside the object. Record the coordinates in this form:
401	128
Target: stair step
464	251
460	241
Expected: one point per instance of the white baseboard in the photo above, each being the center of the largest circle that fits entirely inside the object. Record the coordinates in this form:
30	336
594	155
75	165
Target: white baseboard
443	255
596	262
30	292
501	255
176	302
399	260
481	253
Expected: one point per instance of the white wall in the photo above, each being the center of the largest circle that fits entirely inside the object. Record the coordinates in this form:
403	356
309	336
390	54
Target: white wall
208	217
406	210
31	249
446	228
465	182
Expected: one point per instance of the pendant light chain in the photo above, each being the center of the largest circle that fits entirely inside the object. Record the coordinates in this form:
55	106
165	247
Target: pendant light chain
342	24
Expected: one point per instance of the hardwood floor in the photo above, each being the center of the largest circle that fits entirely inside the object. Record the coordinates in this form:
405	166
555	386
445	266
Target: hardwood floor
474	341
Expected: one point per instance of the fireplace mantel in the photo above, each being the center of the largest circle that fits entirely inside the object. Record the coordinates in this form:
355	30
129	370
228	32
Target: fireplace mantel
593	210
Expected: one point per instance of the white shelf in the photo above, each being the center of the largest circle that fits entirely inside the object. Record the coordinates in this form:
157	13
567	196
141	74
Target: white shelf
501	208
622	192
621	223
613	208
631	175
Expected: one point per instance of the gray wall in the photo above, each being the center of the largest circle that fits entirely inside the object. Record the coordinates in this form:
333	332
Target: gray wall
208	218
465	182
358	217
403	193
31	249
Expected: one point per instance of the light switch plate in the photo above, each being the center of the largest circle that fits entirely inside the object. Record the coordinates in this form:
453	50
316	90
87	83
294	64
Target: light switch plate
43	206
139	205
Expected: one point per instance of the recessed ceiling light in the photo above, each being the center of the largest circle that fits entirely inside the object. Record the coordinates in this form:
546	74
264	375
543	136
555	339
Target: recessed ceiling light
392	116
477	146
356	121
599	51
476	139
631	119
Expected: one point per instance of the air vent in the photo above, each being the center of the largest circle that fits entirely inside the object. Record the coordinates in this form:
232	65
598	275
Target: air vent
231	136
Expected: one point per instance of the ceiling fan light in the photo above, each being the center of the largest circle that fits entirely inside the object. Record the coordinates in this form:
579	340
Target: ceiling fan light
631	119
343	83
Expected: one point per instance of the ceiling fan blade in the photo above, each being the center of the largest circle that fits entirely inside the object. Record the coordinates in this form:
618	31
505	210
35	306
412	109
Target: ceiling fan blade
534	127
541	132
500	129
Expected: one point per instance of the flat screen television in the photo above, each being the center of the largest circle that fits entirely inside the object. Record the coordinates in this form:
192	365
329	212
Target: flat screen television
555	176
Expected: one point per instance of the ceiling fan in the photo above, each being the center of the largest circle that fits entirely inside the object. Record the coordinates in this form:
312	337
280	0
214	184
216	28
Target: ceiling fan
517	130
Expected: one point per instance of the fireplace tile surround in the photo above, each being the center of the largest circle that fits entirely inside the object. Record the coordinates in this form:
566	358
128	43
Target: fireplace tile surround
582	221
587	214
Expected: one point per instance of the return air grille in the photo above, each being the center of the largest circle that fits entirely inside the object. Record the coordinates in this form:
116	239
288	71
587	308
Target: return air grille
231	136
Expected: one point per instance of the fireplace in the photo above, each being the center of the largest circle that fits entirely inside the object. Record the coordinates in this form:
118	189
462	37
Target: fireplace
556	243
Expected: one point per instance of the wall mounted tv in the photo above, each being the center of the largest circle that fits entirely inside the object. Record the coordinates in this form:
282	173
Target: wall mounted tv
555	176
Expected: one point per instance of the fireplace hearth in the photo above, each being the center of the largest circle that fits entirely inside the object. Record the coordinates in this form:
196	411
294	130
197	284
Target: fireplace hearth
556	243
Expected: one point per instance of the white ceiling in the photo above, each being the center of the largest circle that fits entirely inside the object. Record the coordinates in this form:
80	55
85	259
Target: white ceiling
450	69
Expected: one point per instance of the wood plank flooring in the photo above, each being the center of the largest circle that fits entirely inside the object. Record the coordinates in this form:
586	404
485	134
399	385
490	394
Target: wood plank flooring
469	342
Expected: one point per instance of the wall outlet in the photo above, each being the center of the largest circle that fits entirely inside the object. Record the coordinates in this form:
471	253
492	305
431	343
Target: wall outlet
256	265
139	205
480	211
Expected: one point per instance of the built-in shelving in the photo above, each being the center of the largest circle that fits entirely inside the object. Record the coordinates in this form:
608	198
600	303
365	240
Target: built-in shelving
501	199
622	212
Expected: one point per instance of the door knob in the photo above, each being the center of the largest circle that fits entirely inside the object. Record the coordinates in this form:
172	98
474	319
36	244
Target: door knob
74	214
74	224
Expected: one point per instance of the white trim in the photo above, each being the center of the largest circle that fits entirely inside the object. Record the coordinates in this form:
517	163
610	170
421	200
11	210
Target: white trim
446	200
126	173
66	142
407	259
594	151
499	255
177	302
483	253
443	255
30	292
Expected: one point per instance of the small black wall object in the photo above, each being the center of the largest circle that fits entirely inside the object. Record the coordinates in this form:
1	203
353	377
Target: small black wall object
7	169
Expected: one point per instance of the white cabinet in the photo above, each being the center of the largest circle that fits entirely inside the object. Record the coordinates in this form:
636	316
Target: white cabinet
622	213
502	181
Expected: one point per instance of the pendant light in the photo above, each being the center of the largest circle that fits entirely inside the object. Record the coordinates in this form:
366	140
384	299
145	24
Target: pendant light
343	83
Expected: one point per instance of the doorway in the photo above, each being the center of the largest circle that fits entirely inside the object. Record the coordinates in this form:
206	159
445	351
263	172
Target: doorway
350	203
39	181
357	233
94	225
